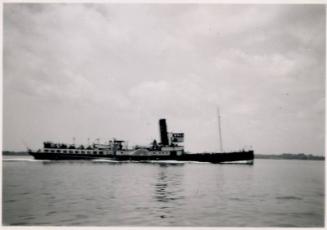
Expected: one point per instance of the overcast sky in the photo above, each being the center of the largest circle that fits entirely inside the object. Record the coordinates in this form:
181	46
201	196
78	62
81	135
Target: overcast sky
112	70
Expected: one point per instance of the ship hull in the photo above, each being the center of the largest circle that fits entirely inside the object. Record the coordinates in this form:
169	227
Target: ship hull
246	156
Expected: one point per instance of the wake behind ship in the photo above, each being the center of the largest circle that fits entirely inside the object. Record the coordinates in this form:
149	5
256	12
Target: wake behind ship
169	148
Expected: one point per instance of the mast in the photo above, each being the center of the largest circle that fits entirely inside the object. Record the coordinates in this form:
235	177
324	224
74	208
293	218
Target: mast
219	128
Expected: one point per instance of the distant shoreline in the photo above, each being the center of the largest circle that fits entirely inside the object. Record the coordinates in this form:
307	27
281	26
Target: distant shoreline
284	156
290	156
14	153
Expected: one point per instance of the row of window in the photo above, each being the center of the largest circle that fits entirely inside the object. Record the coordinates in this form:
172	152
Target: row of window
95	152
160	153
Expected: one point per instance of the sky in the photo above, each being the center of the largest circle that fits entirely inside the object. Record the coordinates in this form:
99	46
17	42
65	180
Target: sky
89	71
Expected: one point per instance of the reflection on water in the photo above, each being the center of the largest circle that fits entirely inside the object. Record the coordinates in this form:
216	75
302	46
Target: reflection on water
100	193
161	194
168	191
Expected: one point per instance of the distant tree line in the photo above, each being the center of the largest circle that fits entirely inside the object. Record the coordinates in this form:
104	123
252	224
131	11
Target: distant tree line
290	156
14	153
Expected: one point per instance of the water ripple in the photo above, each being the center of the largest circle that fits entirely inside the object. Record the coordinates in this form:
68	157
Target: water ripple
266	194
288	198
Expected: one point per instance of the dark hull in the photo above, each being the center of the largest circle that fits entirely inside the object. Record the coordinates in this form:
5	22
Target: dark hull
201	157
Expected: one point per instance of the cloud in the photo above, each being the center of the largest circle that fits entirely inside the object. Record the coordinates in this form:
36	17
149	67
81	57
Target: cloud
99	69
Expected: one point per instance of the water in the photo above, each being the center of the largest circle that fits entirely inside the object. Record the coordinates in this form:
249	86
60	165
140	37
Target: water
271	193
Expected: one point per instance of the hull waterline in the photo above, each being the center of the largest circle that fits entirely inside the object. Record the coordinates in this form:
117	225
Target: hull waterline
245	156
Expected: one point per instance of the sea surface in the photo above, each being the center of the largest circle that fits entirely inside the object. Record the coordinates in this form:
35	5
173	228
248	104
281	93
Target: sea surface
270	193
